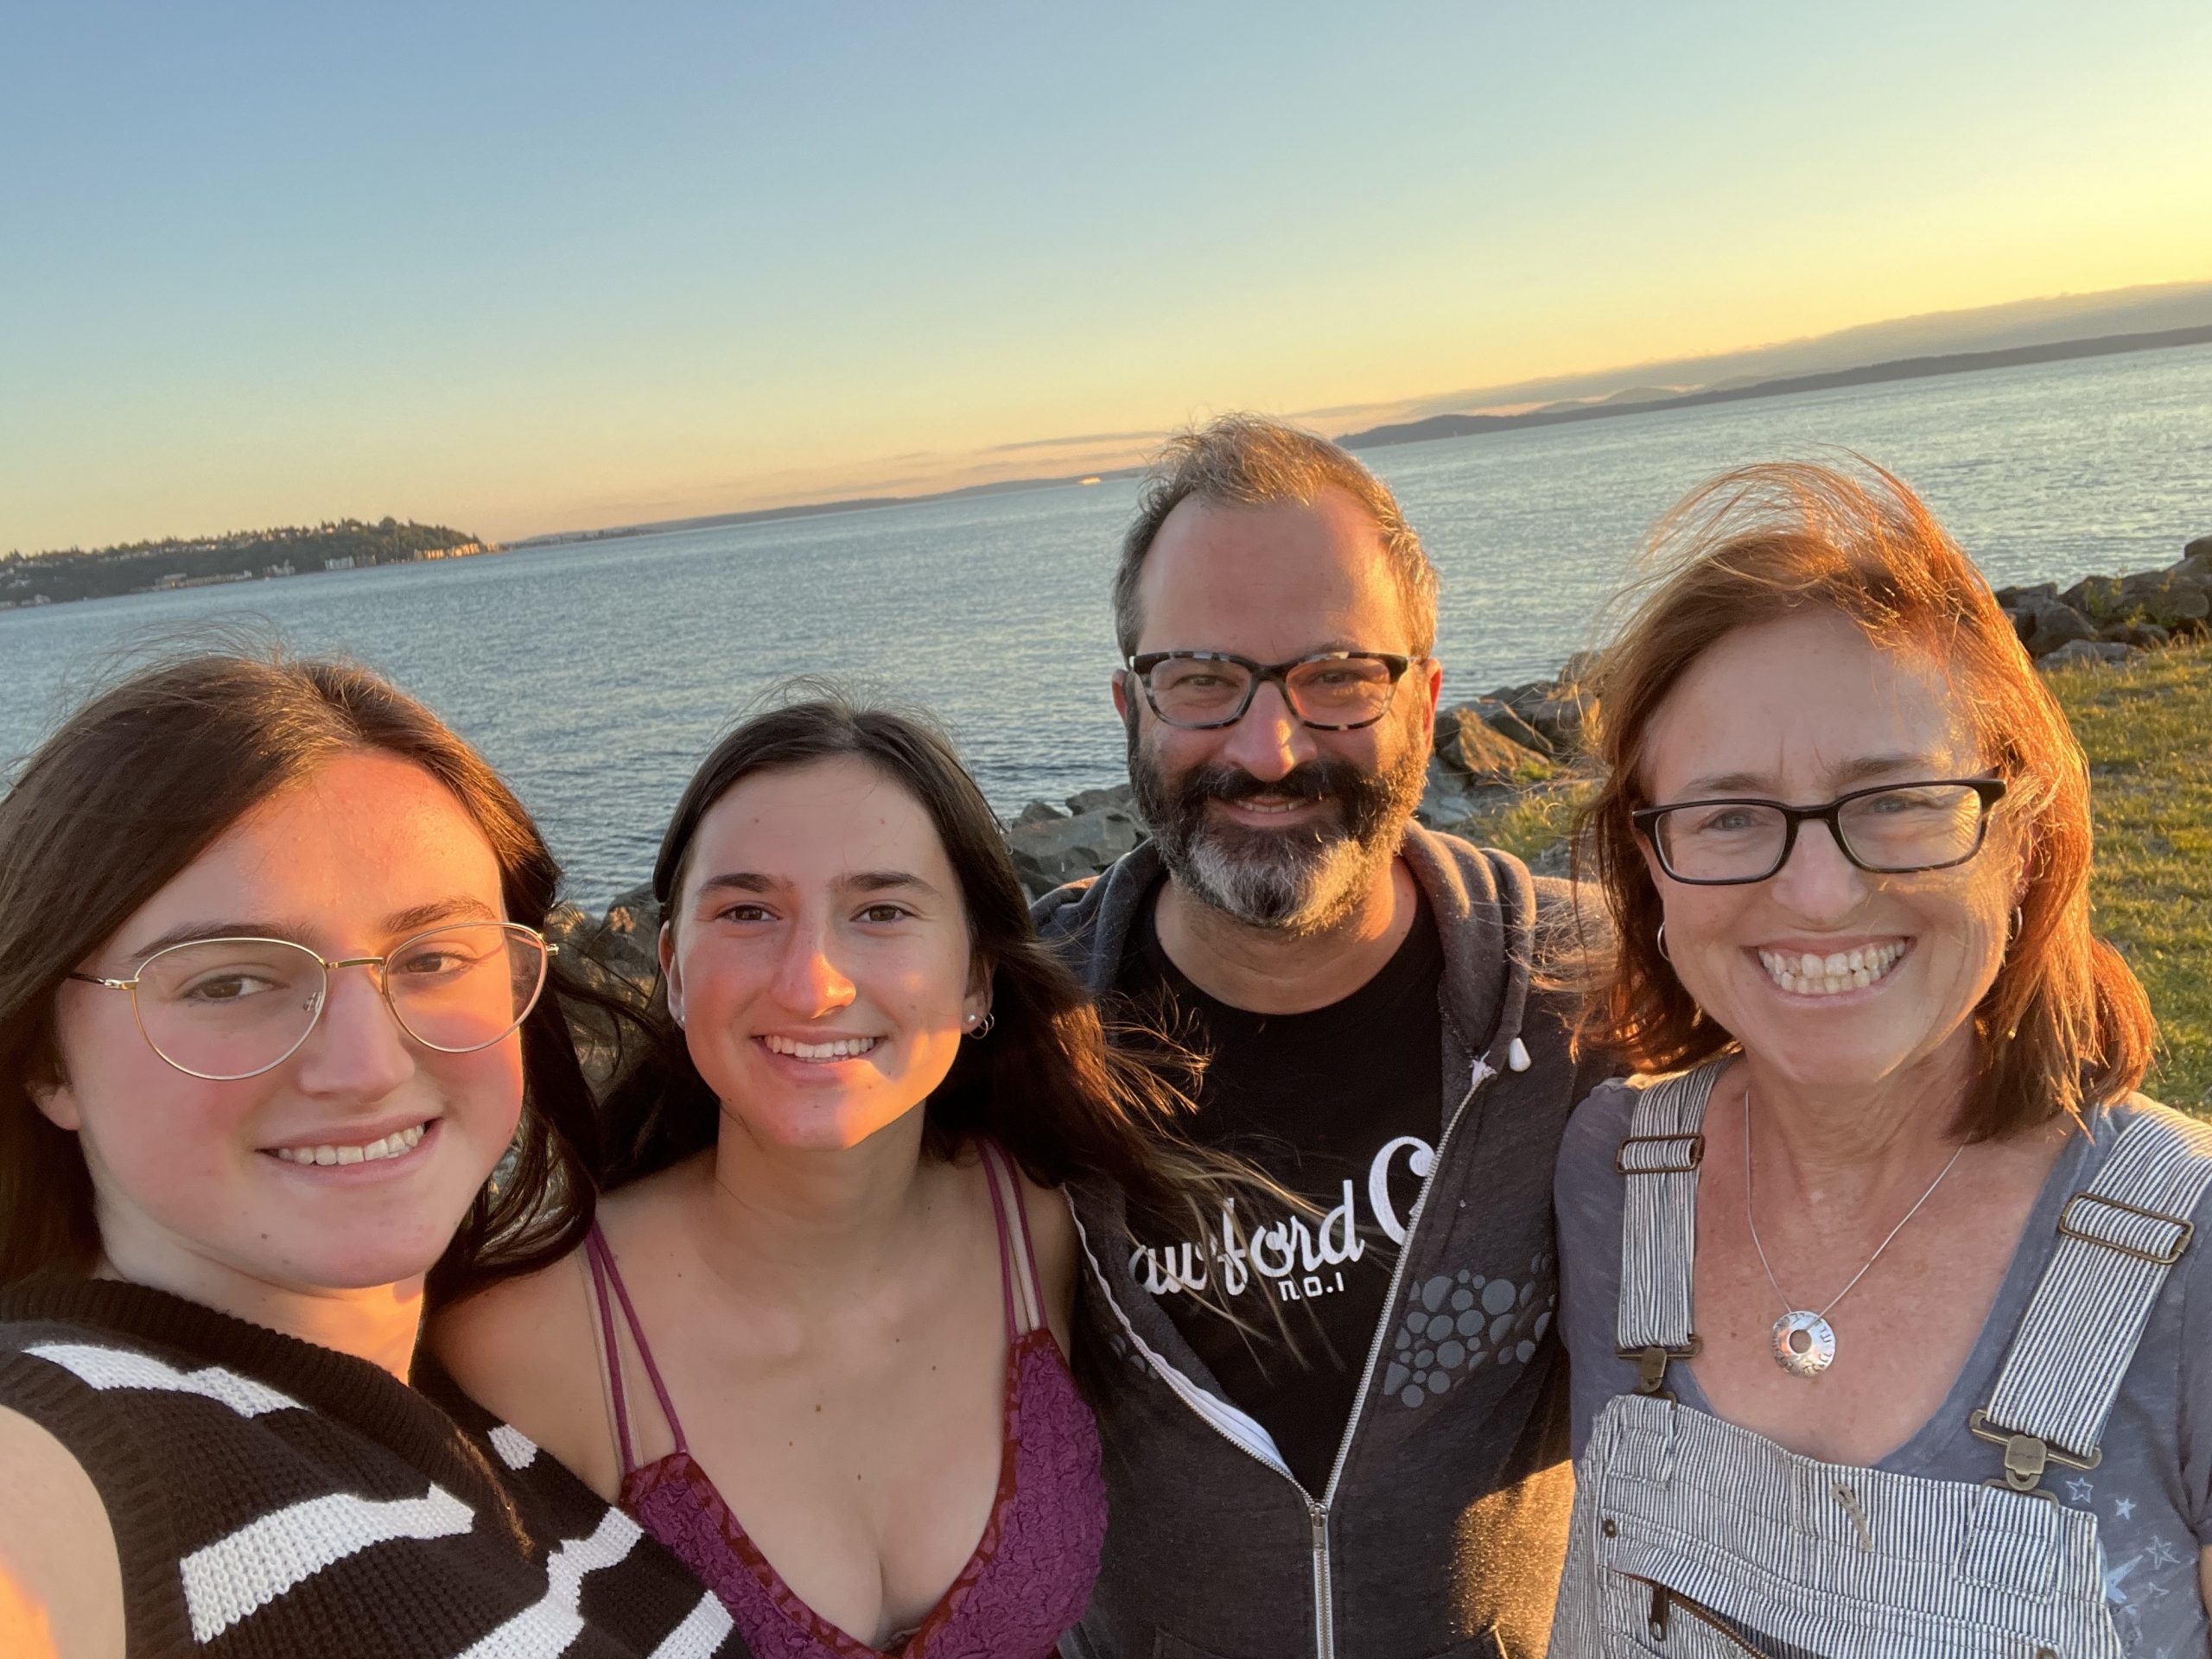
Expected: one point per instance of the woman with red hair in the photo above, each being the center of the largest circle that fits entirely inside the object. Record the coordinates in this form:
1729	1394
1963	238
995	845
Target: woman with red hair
1887	1335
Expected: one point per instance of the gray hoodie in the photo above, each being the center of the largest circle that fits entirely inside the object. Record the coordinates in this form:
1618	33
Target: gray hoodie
1443	1526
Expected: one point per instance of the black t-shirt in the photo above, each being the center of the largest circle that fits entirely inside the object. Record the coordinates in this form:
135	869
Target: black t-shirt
1340	1106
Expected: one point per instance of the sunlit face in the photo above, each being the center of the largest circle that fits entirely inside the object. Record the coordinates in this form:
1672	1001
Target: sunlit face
1802	710
364	854
818	955
1268	820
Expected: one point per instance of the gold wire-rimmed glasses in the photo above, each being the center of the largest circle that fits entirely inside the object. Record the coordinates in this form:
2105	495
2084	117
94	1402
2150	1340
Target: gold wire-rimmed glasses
228	1009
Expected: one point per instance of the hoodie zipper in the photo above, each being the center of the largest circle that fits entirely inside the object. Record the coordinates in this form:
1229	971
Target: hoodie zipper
1324	1645
1317	1510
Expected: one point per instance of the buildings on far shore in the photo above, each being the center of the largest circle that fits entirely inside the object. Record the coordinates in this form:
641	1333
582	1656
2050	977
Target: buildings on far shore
348	562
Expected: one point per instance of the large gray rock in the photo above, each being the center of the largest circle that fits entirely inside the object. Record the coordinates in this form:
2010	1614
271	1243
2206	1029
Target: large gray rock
1500	718
2088	651
1097	800
1051	853
1468	744
2165	598
1561	719
2053	626
1038	812
626	940
2199	549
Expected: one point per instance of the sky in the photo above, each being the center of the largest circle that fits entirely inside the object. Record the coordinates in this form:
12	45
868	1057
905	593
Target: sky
524	269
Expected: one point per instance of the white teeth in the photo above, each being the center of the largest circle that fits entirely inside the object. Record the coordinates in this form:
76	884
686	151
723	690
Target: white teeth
392	1146
841	1048
1805	974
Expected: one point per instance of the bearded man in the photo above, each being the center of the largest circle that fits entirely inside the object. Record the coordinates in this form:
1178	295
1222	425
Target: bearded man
1370	1458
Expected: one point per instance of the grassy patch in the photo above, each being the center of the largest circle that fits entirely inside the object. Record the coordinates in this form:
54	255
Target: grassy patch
1532	826
2147	729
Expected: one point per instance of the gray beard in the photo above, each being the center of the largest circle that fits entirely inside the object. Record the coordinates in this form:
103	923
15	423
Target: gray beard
1303	883
1287	884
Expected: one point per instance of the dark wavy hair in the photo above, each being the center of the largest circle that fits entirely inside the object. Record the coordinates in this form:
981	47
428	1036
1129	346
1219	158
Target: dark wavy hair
134	786
1067	1104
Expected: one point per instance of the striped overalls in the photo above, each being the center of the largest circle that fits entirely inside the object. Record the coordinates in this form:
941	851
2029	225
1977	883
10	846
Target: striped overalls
1692	1537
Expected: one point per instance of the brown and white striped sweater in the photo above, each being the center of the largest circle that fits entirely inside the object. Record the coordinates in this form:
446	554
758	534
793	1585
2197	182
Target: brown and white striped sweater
271	1498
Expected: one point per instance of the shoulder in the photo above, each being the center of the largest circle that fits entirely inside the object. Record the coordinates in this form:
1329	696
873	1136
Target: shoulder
61	1578
1052	1237
526	1349
1065	909
1594	1134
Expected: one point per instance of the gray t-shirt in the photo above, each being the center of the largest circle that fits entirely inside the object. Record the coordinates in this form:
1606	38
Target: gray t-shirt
2152	1493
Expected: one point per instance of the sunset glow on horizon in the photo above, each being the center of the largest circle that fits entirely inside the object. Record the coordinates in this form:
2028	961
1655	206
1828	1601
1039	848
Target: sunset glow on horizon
565	268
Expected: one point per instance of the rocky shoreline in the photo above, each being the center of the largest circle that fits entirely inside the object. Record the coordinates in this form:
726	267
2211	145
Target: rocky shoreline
1490	749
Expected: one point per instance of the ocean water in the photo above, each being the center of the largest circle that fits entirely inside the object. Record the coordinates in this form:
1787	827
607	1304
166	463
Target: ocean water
596	674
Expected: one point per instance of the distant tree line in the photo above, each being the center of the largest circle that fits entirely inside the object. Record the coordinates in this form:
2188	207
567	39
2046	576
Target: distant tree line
139	567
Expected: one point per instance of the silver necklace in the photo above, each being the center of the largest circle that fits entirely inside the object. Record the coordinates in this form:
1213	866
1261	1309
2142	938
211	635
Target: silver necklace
1798	1324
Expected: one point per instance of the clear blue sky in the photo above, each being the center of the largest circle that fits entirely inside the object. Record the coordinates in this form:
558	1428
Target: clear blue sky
522	268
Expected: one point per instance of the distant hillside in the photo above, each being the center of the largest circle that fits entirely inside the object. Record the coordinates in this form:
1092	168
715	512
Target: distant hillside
52	578
2049	321
1644	400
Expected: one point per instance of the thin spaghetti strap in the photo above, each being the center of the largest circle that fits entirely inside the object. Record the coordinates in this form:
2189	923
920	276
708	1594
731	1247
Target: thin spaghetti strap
1006	1253
594	1254
603	1272
1028	1246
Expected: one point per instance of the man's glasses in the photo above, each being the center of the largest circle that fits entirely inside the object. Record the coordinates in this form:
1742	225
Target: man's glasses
1892	829
224	1009
1330	691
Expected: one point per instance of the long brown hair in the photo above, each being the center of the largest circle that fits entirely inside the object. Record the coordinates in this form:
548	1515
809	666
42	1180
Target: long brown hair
127	792
1069	1106
2065	1022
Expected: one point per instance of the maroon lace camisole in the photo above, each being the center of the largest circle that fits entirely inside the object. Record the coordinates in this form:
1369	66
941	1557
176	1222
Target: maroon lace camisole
1031	1574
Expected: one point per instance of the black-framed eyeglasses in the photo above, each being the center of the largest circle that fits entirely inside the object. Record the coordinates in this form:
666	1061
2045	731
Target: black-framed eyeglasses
1889	829
223	1009
1330	691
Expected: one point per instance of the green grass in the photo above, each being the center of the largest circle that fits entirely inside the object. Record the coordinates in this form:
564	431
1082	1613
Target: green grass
2147	729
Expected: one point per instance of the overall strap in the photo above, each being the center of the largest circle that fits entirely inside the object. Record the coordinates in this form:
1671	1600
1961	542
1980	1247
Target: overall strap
601	1259
1017	1280
1658	1164
2118	1239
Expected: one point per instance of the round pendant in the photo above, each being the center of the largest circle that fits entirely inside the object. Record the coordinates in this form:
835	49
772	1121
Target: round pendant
1804	1344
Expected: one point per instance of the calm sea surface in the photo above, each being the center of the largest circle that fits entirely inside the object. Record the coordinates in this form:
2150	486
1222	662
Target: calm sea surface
596	675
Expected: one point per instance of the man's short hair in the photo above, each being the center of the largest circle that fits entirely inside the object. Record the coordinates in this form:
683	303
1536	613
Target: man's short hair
1249	460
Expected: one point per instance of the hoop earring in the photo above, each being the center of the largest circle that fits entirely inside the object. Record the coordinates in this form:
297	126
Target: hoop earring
980	1028
2013	932
1660	938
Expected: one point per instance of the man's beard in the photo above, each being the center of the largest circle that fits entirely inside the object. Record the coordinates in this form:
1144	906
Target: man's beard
1303	880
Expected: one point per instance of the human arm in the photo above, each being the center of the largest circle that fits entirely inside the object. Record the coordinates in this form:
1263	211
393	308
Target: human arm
60	1579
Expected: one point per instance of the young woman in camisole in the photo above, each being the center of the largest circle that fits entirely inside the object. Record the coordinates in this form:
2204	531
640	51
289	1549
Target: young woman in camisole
844	1269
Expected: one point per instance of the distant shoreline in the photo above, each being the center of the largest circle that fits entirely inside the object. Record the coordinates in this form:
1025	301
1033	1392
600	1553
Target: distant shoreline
1454	426
1904	368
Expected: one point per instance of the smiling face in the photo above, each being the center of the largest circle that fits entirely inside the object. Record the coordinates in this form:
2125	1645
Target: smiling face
1826	973
205	1187
818	955
1277	824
